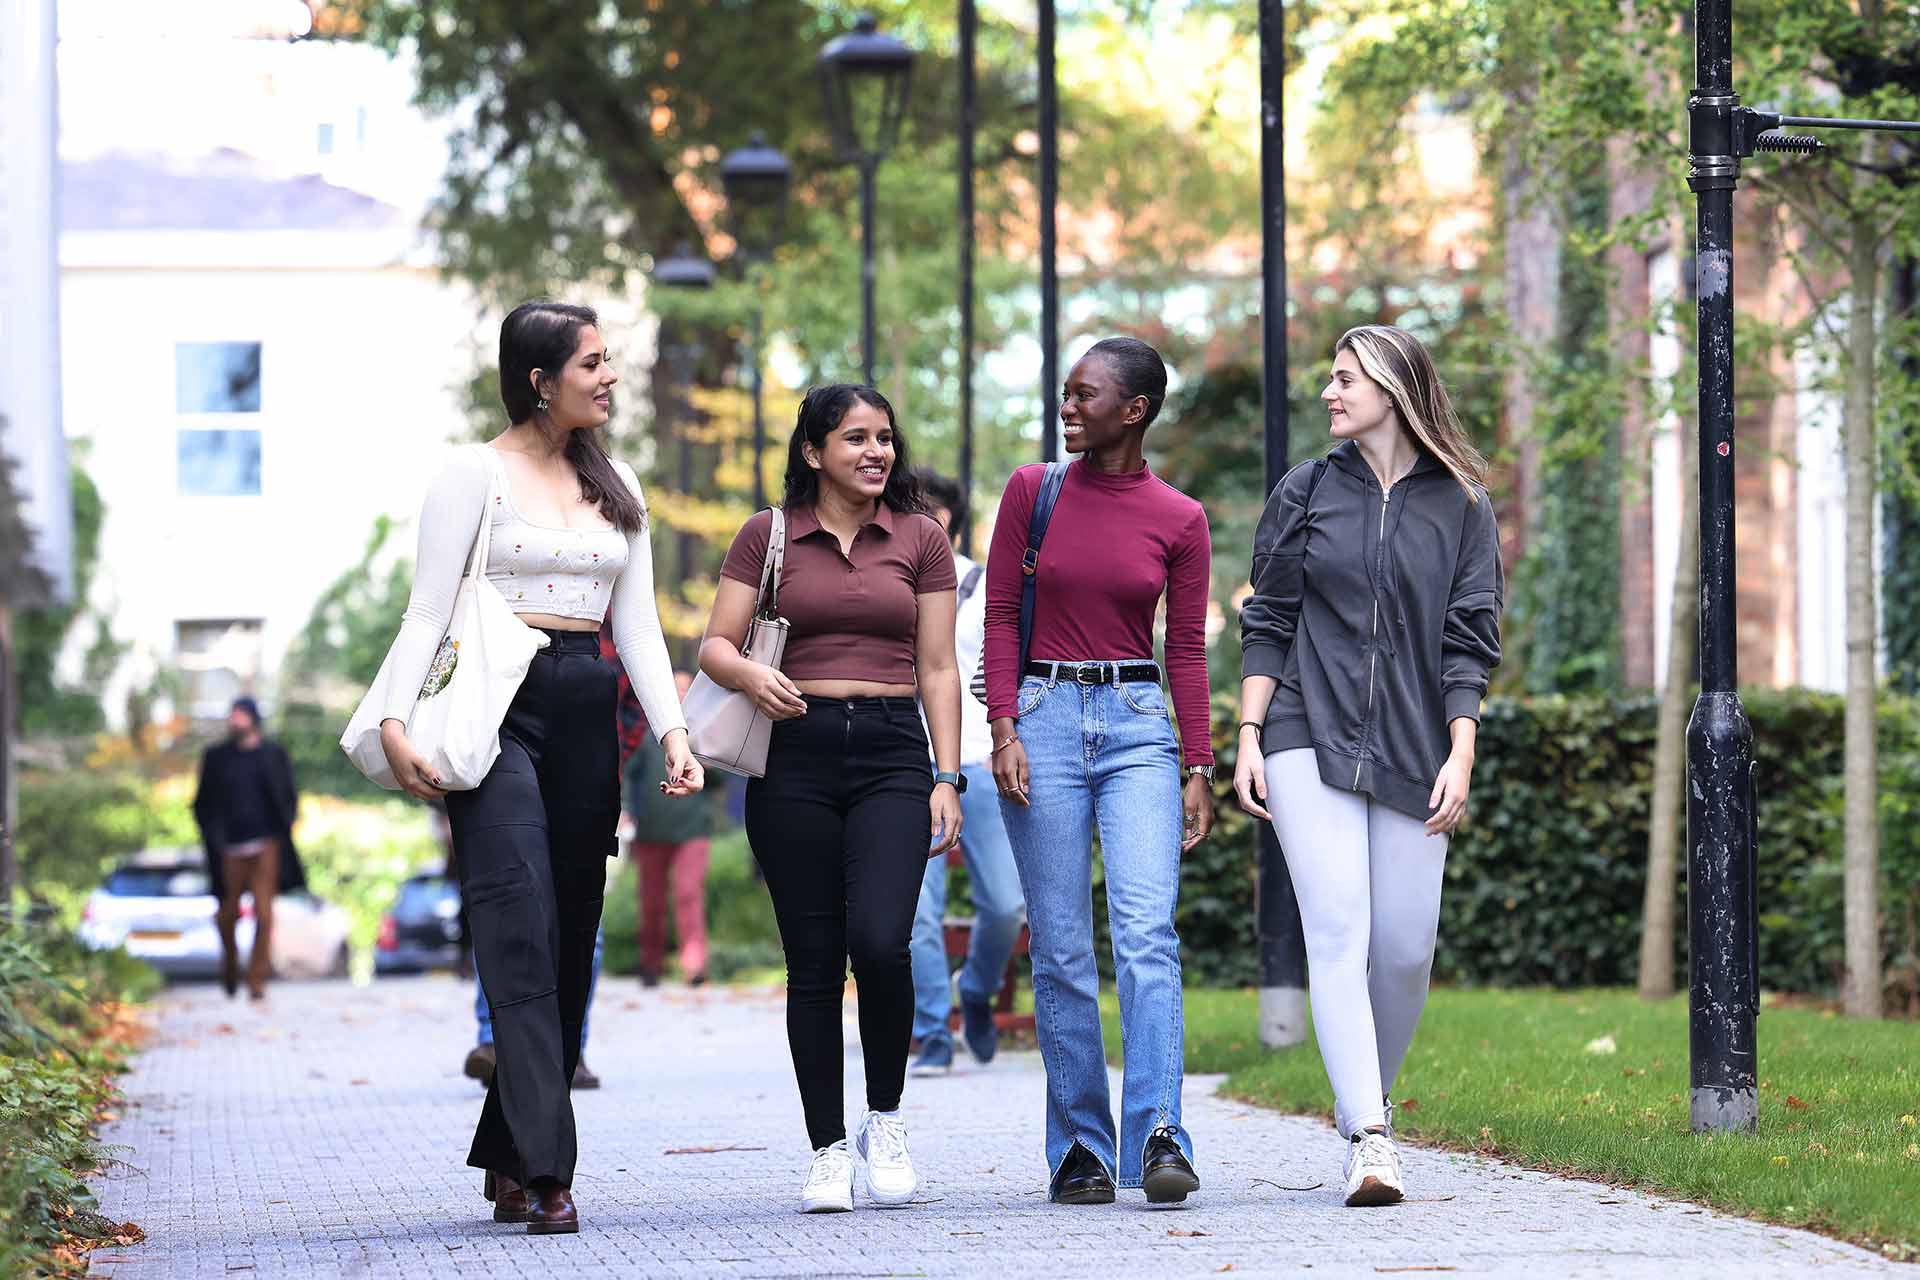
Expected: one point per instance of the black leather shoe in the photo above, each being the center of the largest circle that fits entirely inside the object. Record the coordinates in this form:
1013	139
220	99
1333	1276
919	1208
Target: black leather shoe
1082	1179
1165	1172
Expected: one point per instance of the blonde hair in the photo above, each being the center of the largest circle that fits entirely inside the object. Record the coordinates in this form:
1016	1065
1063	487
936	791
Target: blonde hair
1399	363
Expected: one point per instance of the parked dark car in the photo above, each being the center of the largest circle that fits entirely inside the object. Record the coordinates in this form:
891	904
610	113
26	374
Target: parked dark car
423	929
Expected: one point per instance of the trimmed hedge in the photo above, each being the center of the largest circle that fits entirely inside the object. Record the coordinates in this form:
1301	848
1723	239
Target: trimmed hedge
1544	884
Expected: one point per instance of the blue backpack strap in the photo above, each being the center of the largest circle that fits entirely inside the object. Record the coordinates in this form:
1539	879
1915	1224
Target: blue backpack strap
1043	504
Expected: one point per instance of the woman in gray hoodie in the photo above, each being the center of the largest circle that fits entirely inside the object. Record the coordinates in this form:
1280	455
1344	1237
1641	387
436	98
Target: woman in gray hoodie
1374	620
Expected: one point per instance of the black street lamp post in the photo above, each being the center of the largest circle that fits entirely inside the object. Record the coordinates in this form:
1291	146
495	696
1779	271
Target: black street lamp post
756	179
969	20
1049	240
864	76
683	270
1722	840
1283	948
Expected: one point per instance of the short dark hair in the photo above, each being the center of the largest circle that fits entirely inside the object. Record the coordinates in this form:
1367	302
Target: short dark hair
821	410
1142	371
944	491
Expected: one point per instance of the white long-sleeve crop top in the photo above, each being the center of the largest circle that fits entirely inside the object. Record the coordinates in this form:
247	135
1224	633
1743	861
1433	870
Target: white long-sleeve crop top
592	574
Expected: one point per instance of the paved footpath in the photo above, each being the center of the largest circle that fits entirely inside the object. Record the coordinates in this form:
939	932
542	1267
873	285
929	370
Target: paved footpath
325	1135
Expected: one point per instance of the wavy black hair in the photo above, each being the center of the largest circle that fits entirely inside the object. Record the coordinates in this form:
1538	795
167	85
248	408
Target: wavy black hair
821	410
1142	371
544	335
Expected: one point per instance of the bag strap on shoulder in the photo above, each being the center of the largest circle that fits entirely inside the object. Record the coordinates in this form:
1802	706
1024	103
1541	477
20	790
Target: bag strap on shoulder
772	564
1044	500
496	484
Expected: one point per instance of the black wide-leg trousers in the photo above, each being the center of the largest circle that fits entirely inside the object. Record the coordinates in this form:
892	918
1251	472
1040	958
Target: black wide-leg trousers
531	842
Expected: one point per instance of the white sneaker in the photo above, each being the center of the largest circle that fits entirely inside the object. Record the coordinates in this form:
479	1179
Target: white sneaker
882	1143
829	1186
1373	1171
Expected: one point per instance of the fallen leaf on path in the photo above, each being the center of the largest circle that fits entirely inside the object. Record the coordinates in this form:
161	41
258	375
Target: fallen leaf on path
1795	1104
1397	1270
1279	1187
1227	1267
1408	1105
361	1080
1178	1232
707	1151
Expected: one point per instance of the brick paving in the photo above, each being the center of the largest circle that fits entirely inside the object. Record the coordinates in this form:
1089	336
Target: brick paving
325	1135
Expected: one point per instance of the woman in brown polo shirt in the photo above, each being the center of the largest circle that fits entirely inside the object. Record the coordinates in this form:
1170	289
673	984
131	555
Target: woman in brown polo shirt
847	813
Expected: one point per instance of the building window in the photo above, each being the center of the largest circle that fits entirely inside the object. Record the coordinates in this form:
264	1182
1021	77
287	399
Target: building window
219	464
217	377
324	142
220	658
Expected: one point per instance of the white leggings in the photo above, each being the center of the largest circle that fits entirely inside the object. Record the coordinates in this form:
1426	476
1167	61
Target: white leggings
1368	881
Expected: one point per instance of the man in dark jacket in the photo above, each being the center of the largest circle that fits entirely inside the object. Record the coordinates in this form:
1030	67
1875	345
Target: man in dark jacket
245	805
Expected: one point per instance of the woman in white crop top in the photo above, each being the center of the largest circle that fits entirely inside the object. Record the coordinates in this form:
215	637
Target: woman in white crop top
568	550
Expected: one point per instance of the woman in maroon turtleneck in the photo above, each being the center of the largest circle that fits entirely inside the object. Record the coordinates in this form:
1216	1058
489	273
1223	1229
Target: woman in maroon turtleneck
1081	738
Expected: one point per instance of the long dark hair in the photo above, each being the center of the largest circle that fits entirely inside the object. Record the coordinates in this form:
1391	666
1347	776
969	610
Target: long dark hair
544	335
821	410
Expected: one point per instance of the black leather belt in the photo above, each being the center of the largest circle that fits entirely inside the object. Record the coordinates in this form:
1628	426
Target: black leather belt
1096	672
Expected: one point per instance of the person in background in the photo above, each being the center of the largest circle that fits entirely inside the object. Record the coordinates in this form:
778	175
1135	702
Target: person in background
997	906
670	845
245	805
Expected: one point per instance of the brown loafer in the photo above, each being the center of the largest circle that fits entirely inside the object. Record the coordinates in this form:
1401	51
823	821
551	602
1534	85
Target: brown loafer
550	1212
511	1203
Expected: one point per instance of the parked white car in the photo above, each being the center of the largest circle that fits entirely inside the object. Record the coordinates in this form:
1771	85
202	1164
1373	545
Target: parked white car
159	905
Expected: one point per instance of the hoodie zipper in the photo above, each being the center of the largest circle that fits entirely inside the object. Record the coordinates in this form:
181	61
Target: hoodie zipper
1373	640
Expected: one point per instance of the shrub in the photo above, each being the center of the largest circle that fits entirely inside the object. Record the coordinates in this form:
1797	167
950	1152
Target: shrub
58	1054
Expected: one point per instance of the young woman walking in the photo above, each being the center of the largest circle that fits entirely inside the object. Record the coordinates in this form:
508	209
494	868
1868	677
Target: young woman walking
1080	737
1374	620
567	549
848	812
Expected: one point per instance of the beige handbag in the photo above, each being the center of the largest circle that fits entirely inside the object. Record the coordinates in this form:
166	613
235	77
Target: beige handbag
724	729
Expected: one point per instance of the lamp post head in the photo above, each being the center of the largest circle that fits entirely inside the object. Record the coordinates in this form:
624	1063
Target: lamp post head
864	77
683	269
756	179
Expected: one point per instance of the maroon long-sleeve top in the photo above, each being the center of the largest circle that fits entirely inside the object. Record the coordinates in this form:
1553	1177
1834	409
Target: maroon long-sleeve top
1115	545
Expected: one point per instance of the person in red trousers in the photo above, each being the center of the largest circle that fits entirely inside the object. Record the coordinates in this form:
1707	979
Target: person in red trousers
670	844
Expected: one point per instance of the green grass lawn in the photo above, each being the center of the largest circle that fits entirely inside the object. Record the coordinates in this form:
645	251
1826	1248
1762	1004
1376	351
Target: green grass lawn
1594	1084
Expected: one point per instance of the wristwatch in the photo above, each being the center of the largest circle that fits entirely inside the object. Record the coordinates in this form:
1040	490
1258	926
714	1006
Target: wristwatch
958	781
1204	770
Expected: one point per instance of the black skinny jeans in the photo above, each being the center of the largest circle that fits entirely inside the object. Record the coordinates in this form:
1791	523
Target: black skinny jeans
840	828
531	842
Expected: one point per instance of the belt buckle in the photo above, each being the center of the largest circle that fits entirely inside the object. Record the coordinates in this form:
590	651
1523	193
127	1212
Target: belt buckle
1089	673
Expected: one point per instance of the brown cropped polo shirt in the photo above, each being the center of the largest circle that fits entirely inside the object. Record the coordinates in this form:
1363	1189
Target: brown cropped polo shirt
852	617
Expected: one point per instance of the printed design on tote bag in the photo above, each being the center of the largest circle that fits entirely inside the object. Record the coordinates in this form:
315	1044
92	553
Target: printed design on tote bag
440	674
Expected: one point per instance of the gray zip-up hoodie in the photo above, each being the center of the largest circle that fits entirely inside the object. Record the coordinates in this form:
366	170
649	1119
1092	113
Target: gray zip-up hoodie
1379	615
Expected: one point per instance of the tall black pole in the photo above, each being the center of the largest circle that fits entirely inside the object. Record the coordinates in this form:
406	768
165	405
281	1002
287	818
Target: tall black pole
1283	949
968	21
867	167
1049	268
1723	990
759	421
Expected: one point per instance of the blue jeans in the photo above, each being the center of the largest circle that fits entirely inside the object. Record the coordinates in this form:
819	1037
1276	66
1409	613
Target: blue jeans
1105	756
484	1016
996	913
